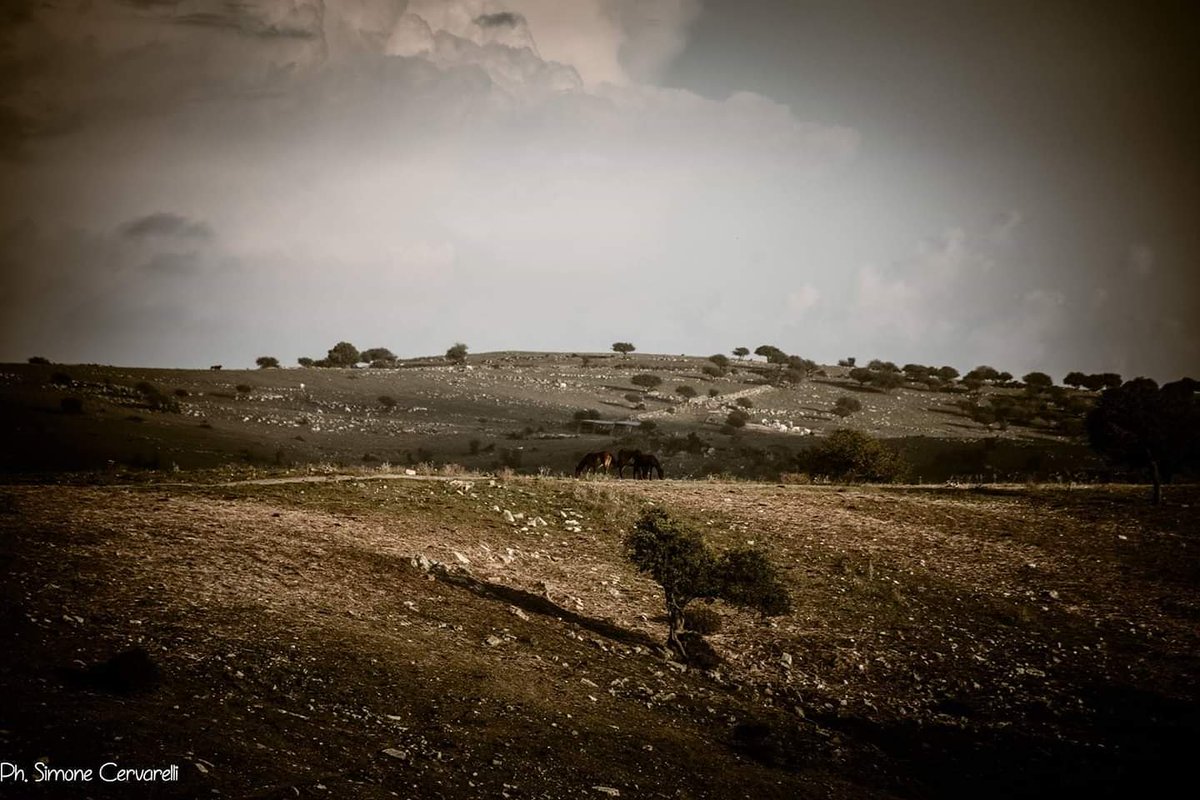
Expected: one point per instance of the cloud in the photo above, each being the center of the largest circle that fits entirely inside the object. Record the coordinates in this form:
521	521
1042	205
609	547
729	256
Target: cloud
803	299
500	19
165	224
1141	260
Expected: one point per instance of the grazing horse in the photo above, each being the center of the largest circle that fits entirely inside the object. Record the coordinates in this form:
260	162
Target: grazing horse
594	462
645	465
624	459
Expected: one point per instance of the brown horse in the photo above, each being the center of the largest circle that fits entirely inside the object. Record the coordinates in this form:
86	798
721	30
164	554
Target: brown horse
594	462
645	465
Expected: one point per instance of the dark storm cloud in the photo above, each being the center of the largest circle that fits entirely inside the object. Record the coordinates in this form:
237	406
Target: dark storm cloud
166	225
501	19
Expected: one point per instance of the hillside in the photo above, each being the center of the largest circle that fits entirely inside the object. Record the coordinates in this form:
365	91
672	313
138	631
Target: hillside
399	637
514	410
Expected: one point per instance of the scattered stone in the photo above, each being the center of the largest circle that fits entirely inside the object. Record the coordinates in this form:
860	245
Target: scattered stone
493	641
518	613
608	790
397	753
460	557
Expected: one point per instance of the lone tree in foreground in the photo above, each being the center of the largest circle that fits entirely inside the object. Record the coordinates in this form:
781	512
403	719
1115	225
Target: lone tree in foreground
678	558
267	362
457	353
624	348
1145	427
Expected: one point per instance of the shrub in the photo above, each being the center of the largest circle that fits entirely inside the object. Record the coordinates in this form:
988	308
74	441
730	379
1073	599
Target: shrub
457	353
633	397
1038	381
244	388
155	399
645	381
741	352
375	354
38	360
737	419
719	359
846	362
851	455
845	406
886	380
685	391
649	426
305	361
862	375
267	362
745	402
712	371
387	401
714	392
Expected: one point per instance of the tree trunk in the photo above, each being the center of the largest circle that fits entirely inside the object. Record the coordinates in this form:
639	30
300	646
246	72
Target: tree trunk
1155	476
674	617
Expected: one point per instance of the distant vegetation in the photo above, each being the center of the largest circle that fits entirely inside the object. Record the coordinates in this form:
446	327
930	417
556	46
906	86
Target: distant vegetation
646	381
267	362
624	348
457	353
850	455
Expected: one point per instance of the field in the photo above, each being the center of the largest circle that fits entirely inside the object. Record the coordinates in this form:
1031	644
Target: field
397	636
383	583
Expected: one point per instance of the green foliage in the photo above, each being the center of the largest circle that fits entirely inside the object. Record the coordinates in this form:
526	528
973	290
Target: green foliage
267	362
645	381
387	401
457	353
741	352
771	353
850	455
305	361
343	354
745	402
737	419
886	380
845	406
876	365
685	391
947	373
680	561
1075	379
624	348
719	359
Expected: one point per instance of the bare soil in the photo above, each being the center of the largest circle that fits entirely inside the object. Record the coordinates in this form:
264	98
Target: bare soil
402	637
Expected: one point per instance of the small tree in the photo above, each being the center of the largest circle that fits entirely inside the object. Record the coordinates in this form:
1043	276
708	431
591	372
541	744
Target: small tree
714	392
741	352
1142	426
737	418
646	381
387	401
862	375
457	354
720	360
685	391
1075	379
267	362
947	373
886	380
845	406
847	362
680	561
771	353
624	348
38	360
305	361
343	354
1037	381
745	402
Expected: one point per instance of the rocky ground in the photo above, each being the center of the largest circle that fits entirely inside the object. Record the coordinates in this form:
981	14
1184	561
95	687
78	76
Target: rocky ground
409	636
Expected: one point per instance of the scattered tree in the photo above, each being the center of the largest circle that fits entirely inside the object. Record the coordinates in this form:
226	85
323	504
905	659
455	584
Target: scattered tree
457	353
886	380
343	354
1037	381
387	401
862	375
772	354
720	360
38	360
712	371
947	373
741	352
846	362
685	391
624	348
377	354
305	361
1075	380
745	402
737	418
267	362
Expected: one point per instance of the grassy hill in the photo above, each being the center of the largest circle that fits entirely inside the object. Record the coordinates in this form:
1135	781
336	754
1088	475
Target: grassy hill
498	410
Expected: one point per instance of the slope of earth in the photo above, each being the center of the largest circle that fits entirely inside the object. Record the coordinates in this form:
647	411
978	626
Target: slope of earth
499	410
481	638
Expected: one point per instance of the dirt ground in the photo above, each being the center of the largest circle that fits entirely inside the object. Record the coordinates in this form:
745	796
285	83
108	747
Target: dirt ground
403	637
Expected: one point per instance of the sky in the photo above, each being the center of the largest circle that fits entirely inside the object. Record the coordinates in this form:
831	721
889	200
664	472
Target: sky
190	182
